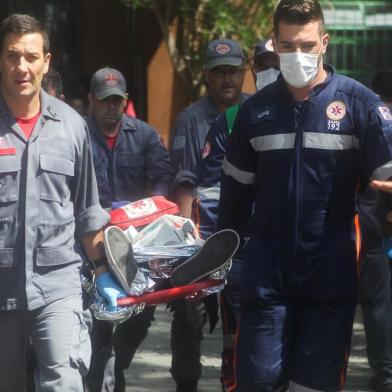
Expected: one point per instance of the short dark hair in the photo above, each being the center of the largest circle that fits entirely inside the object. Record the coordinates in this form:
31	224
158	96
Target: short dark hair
52	79
21	24
381	84
298	12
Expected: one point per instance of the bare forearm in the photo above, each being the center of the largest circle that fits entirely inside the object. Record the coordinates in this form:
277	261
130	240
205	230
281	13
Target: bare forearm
183	196
93	246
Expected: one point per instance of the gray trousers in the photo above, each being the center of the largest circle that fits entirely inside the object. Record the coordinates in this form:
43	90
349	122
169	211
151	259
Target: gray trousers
61	342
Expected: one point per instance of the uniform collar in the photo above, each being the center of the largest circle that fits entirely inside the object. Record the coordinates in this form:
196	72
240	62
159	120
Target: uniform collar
127	123
47	108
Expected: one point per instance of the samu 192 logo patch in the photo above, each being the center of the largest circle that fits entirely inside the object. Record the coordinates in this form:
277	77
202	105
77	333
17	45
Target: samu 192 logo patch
206	150
336	110
385	113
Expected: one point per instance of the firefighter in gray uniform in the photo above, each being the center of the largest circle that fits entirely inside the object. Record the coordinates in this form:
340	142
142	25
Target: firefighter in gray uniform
48	200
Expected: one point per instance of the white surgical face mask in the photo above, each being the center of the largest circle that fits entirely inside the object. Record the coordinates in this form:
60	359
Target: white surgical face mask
264	78
299	69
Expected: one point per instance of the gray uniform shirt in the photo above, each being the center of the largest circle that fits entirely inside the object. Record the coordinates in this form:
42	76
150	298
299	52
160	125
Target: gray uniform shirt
189	135
48	201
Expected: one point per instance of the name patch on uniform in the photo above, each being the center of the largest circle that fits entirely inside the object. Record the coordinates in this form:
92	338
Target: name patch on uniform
263	113
7	150
385	113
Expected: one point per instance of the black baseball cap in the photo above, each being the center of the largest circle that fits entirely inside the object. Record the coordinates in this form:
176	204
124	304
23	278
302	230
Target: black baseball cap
262	47
106	82
223	52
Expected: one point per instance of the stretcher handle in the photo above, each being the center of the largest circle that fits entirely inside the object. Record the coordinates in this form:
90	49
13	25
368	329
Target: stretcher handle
168	295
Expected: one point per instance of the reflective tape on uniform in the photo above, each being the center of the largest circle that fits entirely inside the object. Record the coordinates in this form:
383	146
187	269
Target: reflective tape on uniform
280	141
212	193
327	141
241	176
383	172
324	141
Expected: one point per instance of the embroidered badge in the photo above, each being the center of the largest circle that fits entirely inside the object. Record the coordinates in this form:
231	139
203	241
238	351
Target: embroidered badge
385	113
336	110
206	150
111	79
222	48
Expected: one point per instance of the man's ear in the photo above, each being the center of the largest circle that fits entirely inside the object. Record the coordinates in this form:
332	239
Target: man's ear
47	58
273	38
325	40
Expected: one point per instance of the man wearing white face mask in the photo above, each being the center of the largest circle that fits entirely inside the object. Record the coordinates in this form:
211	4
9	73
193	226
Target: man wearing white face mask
265	64
205	205
299	151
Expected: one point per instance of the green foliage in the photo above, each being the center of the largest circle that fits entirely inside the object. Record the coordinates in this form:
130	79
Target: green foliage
188	25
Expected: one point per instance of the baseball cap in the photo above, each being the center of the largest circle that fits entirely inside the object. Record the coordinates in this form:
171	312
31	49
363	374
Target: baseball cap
263	46
106	82
223	52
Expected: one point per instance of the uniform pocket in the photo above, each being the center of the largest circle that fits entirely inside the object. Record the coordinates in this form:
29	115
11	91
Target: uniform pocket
56	172
9	178
6	257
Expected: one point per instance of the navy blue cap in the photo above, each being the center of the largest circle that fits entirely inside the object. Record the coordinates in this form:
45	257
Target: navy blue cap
224	51
263	46
106	82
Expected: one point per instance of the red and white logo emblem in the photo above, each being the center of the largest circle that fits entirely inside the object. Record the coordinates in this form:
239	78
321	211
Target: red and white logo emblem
2	141
222	48
385	113
336	110
268	45
140	208
111	79
206	150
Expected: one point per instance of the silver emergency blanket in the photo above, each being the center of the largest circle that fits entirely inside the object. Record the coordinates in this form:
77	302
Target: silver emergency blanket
158	249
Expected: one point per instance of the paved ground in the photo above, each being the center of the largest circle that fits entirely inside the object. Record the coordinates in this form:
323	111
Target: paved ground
150	369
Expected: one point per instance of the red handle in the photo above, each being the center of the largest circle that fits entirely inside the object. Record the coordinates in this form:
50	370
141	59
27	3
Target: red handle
162	296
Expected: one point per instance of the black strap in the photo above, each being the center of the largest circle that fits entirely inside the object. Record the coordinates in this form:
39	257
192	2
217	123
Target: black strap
97	263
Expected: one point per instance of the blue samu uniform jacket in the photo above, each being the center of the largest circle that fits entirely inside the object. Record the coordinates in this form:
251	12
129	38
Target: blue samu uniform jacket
302	164
137	167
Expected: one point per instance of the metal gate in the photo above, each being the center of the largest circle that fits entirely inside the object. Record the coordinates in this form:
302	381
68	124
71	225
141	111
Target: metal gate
360	36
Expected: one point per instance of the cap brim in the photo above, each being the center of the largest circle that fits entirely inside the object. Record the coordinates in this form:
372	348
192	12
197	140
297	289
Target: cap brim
234	61
107	92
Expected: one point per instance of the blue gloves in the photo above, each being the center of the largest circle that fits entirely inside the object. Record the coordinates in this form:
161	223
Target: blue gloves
387	247
109	289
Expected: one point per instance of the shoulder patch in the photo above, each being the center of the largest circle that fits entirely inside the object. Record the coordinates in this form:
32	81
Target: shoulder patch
262	113
385	113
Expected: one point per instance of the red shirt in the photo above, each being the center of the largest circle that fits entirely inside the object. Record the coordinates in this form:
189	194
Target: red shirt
110	140
27	124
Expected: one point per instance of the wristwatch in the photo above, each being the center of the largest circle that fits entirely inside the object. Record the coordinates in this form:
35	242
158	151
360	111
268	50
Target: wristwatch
93	264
